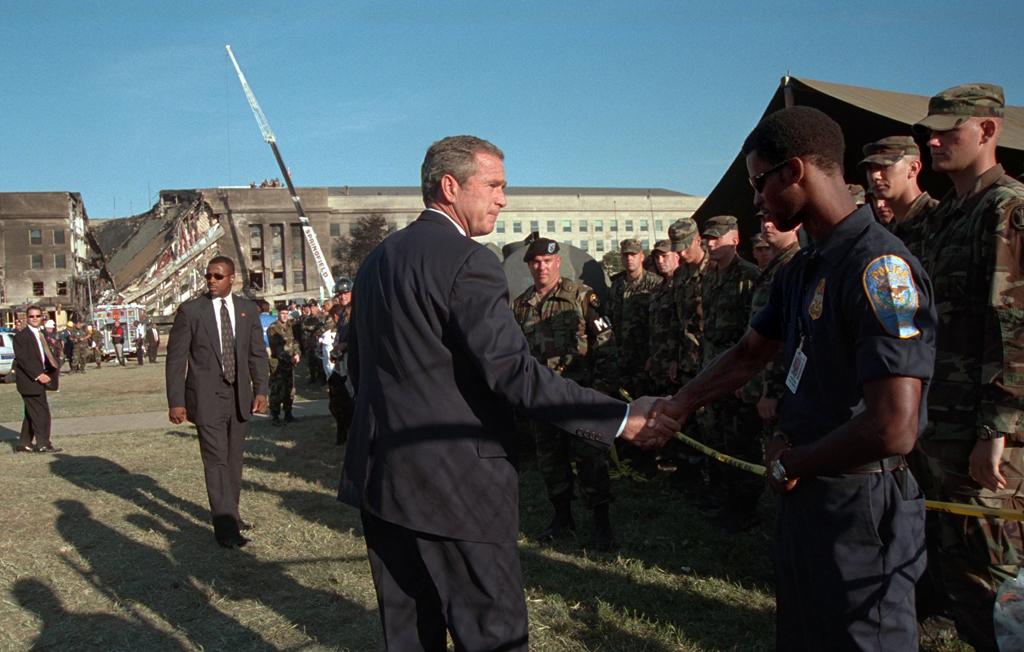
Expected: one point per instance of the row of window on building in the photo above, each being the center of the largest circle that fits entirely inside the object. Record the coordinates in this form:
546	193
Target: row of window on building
60	261
35	236
39	289
582	226
267	269
592	246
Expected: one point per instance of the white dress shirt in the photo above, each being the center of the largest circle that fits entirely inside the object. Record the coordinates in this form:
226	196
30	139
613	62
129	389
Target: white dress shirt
231	315
36	332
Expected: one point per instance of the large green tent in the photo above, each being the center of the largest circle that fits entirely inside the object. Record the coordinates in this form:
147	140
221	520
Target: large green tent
865	114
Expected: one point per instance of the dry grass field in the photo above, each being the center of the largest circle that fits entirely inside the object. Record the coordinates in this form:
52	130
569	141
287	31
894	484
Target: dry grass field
106	546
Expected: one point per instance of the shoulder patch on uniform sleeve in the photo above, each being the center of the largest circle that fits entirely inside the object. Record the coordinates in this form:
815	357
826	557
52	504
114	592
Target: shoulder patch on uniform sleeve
1017	216
889	286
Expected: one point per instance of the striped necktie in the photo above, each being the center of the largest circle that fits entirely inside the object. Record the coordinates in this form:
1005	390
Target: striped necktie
227	343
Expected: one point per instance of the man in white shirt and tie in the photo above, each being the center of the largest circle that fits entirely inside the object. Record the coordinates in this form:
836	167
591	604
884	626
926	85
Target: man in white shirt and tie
216	378
35	369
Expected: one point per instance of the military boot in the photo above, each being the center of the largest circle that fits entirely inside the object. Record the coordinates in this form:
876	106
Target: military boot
288	416
604	537
562	523
275	419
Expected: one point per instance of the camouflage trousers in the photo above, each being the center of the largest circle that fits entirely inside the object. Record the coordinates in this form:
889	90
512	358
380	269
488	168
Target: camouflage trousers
78	359
733	427
975	555
556	450
282	386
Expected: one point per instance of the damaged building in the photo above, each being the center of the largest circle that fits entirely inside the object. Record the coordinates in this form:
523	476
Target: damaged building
44	251
157	259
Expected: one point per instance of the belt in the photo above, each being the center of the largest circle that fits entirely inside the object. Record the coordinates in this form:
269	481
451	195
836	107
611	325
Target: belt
891	463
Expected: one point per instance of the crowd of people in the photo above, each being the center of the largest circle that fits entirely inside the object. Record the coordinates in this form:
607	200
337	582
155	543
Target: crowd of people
869	357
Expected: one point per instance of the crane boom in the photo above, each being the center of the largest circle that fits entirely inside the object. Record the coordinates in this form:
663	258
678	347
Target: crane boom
307	230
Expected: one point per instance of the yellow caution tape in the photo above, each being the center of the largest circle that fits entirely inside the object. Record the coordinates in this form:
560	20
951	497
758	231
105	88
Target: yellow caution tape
935	505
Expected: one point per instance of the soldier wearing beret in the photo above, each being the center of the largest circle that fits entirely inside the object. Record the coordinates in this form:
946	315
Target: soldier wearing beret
891	166
560	320
972	247
628	302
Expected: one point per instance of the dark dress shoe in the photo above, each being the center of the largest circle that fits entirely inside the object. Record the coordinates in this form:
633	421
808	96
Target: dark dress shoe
236	541
25	449
49	448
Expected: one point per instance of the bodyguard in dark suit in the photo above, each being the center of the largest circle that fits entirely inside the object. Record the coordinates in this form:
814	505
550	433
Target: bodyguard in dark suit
216	378
35	369
439	363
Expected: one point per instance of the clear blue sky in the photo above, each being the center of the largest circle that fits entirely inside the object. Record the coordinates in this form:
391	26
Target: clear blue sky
118	100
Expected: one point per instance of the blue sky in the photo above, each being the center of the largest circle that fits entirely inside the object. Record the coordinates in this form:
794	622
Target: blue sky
118	100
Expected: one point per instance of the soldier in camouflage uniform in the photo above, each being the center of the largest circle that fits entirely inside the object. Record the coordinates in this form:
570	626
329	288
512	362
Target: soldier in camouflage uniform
560	320
663	326
313	327
284	355
686	293
974	444
761	250
629	300
80	351
766	388
95	344
730	425
892	165
73	334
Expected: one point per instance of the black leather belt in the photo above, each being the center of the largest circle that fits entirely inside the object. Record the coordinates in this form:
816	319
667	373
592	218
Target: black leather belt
880	466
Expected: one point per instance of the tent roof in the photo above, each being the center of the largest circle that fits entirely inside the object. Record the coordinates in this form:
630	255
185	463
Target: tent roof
865	115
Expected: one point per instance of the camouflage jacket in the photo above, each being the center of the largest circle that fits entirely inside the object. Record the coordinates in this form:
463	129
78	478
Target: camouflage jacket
566	332
771	382
628	306
725	297
282	342
690	316
663	328
313	326
973	249
910	229
97	339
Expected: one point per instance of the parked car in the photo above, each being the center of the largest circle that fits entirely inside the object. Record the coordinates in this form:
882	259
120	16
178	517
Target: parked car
6	357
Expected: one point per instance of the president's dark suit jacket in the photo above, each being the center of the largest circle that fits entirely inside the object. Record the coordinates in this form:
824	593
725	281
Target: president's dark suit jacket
194	365
439	363
28	364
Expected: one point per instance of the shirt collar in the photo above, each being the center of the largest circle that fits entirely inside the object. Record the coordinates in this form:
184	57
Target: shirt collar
454	223
838	242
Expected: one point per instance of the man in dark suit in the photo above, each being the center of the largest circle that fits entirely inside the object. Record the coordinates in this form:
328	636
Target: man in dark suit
216	378
35	369
152	341
439	363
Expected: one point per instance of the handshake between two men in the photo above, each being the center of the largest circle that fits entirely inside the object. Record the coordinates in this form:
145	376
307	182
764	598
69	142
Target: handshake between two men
652	421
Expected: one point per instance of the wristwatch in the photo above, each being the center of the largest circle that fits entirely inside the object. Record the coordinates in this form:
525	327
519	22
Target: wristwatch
988	433
777	472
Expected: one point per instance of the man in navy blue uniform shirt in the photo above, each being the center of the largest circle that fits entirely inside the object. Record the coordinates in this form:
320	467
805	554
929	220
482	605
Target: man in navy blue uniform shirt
854	315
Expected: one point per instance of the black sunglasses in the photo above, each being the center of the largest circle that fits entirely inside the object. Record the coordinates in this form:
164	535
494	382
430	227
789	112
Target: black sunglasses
219	277
757	181
35	316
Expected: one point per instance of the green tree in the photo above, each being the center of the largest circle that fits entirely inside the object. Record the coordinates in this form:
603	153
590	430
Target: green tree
350	250
612	263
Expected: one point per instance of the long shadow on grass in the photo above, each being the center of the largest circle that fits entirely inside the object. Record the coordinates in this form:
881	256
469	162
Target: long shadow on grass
192	555
701	620
65	630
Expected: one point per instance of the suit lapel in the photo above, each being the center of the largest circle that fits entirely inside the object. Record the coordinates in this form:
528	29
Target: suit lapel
210	323
239	331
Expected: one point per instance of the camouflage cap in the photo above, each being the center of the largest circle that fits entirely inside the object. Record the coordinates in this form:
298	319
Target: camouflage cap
953	106
663	246
718	226
540	247
758	241
630	246
681	233
888	151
